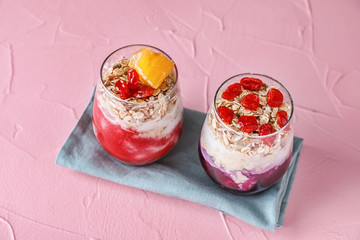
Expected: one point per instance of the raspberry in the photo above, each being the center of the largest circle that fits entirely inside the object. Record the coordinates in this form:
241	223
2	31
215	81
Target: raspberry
281	118
232	91
267	129
251	102
248	123
226	114
123	89
251	83
142	91
133	79
274	98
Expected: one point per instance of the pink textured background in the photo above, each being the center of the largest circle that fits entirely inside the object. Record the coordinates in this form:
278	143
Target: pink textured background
50	55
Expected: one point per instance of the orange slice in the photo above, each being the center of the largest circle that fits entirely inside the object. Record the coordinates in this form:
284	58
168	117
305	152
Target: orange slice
152	67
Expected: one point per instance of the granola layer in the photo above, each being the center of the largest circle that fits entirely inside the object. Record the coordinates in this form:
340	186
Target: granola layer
155	118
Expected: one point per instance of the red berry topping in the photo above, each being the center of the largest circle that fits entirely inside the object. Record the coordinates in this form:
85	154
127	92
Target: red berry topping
232	91
123	89
248	123
226	114
251	102
133	79
251	83
281	118
274	98
267	129
142	91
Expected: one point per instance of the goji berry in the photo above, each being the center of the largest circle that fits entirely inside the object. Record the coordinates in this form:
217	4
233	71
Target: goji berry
123	89
133	79
142	91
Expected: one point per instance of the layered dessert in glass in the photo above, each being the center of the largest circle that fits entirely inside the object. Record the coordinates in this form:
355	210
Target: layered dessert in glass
247	137
138	112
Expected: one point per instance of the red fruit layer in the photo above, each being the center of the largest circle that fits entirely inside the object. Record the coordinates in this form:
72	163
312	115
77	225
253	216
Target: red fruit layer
129	146
220	177
274	174
255	183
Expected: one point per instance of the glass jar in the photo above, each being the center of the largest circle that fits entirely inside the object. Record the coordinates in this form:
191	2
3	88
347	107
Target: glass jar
246	163
136	132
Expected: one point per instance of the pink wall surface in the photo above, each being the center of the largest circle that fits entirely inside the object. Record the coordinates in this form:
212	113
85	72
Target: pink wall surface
50	56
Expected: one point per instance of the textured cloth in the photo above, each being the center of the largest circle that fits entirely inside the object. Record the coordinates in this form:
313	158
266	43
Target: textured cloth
179	174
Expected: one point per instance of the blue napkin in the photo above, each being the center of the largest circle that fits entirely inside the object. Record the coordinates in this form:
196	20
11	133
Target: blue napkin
179	174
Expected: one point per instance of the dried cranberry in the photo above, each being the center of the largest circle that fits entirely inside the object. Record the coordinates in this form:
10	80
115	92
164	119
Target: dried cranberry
251	102
248	123
133	79
232	91
142	91
274	98
281	118
226	114
267	129
123	89
251	83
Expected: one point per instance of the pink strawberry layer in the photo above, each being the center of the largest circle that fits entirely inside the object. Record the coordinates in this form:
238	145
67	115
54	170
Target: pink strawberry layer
127	145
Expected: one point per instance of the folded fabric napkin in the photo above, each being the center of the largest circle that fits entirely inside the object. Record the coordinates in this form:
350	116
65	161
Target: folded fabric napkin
179	174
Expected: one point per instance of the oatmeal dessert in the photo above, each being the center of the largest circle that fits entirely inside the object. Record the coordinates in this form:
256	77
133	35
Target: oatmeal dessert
138	113
246	140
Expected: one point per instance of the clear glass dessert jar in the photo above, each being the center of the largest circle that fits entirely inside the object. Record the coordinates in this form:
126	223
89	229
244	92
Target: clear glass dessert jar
140	125
247	137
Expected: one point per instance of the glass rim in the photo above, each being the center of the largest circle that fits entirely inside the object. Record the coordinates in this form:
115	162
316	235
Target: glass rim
138	103
260	75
